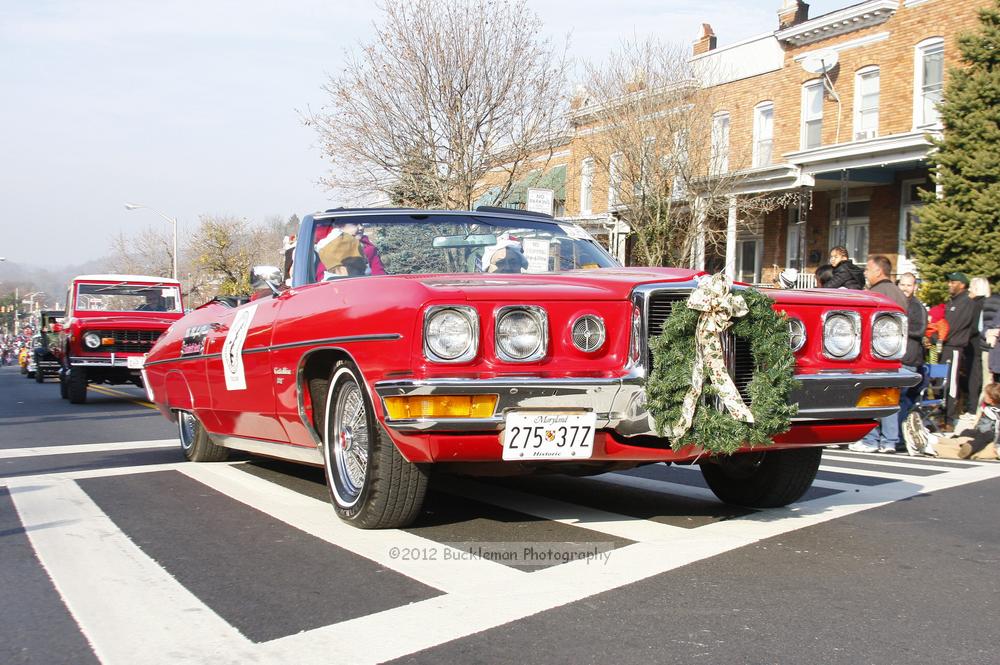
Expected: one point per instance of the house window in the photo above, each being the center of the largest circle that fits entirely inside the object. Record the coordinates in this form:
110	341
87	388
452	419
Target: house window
615	179
851	232
812	115
647	161
909	217
929	83
586	186
763	133
866	93
720	144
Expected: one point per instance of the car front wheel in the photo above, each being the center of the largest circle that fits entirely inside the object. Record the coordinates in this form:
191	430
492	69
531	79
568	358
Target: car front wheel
371	485
766	479
76	385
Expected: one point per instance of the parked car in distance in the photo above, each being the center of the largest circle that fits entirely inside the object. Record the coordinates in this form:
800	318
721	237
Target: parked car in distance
111	323
489	342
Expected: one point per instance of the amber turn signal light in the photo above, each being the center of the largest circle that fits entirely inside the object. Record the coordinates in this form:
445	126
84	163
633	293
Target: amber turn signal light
441	406
879	397
107	341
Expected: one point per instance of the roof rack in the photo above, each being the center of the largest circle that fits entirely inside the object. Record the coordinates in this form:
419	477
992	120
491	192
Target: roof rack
513	211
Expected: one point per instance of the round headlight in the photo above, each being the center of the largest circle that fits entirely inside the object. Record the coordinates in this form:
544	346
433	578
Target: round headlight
92	340
840	336
520	334
796	334
888	337
588	333
450	334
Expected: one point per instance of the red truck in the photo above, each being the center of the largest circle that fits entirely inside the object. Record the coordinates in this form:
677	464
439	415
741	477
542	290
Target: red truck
111	323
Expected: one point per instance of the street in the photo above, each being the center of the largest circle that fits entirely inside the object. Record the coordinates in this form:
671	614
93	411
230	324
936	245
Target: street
114	550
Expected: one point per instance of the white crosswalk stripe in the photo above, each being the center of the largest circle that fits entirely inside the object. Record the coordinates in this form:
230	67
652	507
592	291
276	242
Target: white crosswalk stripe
132	610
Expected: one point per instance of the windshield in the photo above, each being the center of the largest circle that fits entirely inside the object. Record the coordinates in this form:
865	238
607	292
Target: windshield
423	244
127	298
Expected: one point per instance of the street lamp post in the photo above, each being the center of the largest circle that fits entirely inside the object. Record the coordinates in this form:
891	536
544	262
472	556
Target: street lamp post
172	220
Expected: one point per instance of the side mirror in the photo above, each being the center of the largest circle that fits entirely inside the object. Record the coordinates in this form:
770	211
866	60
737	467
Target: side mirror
265	277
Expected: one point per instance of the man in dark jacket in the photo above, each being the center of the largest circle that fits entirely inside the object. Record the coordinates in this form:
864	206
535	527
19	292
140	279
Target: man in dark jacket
913	358
845	273
958	313
885	437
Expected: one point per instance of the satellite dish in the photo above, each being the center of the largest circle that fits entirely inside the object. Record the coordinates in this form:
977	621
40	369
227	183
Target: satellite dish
820	62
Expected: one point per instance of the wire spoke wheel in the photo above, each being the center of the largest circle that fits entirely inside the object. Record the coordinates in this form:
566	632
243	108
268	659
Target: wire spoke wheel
349	441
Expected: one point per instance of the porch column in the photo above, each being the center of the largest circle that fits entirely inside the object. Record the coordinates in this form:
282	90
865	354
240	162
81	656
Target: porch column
731	239
698	246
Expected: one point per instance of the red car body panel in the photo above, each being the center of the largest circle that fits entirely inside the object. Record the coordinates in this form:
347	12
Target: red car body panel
377	322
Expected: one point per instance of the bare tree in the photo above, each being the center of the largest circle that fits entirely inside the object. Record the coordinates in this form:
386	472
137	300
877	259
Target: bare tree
646	115
446	91
148	252
223	249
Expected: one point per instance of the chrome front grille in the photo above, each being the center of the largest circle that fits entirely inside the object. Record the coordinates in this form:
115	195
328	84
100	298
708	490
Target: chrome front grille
739	359
130	341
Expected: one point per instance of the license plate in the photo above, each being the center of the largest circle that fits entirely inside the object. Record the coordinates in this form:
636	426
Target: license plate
135	362
532	435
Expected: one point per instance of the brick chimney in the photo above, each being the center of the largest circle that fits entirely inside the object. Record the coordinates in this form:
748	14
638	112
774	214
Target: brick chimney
706	41
792	12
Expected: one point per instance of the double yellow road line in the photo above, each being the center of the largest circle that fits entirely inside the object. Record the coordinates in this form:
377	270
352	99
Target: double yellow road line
111	392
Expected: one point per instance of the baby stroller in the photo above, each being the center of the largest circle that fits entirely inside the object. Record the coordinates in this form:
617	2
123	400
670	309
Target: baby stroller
930	405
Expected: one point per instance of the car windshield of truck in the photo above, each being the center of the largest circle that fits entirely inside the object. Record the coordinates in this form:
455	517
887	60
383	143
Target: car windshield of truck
124	297
429	244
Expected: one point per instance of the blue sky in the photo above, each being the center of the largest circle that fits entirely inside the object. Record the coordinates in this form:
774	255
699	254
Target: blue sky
193	107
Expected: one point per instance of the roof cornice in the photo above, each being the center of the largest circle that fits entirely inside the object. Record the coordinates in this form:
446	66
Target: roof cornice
849	19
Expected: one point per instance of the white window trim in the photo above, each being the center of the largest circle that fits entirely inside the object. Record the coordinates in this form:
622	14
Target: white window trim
587	185
720	151
615	179
918	84
858	76
757	110
803	134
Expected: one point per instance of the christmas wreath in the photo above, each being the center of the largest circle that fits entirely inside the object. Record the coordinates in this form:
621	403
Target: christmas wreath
690	394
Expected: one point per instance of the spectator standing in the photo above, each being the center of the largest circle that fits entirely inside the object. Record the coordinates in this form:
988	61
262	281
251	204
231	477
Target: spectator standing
989	328
885	437
824	274
958	313
845	273
913	358
979	291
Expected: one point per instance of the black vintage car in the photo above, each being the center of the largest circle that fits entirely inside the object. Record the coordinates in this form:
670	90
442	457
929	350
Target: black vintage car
42	363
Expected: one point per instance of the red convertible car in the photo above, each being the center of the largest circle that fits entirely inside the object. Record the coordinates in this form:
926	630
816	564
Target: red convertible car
489	342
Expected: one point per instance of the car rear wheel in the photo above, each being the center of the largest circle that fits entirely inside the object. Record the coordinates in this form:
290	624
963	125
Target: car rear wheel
371	485
39	376
76	385
196	444
766	479
63	384
30	374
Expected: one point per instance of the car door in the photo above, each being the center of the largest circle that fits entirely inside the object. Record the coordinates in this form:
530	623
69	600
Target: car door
239	371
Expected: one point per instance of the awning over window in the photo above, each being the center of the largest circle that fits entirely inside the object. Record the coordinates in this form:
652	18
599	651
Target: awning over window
554	179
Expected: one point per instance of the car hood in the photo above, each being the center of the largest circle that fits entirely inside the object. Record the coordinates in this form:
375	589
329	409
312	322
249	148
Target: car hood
126	321
605	284
617	284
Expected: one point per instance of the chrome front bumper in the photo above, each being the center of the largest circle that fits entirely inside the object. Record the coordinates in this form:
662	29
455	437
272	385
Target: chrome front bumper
115	360
620	403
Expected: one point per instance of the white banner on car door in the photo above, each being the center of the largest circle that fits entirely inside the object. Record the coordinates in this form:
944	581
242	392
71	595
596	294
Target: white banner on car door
232	349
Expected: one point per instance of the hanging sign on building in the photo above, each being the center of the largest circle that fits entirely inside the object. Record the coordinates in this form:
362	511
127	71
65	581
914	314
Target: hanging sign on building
539	200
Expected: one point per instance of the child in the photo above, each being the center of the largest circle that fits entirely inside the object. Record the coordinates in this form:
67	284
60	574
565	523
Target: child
979	442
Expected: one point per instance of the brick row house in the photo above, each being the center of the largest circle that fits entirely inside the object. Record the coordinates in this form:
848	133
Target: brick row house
837	108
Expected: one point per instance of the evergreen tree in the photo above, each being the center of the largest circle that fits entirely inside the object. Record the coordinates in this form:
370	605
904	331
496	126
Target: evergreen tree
961	230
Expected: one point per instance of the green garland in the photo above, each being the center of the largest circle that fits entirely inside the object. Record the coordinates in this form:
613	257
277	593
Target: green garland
774	363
